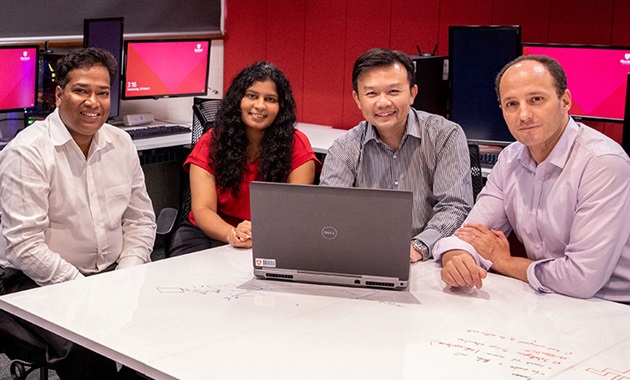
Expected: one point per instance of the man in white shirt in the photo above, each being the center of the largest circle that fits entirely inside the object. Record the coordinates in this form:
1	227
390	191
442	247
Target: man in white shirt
562	188
73	199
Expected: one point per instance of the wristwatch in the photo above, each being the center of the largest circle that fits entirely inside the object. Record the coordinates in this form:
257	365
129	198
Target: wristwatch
419	246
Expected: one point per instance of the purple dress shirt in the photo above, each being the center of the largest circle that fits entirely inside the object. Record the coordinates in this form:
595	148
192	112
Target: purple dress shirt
571	212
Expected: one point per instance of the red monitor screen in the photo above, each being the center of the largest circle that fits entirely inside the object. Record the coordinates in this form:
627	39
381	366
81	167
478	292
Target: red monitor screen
596	77
157	69
19	69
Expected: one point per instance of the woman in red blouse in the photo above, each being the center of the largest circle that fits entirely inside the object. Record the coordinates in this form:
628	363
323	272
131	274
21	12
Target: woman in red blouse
253	138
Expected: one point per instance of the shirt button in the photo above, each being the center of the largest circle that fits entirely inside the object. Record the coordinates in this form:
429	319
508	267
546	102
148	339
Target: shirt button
396	183
395	156
537	246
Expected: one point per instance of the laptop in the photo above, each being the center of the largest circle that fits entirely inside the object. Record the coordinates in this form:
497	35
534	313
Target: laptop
331	235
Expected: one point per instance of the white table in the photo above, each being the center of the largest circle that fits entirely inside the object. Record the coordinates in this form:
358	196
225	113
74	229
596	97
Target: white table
180	139
204	316
320	136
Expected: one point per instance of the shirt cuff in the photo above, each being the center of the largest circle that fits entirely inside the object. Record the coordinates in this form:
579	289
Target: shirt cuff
428	237
129	261
453	242
534	272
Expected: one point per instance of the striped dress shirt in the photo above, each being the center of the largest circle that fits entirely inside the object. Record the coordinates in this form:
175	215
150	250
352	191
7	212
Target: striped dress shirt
432	162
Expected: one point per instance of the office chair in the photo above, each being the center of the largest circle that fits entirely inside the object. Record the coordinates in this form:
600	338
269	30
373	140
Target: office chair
204	114
475	170
20	368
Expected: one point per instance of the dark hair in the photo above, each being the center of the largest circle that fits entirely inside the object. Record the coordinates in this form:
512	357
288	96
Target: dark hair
552	66
228	146
85	58
378	58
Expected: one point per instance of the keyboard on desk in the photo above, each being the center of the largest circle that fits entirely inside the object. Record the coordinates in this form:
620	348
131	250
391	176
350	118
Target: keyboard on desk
156	131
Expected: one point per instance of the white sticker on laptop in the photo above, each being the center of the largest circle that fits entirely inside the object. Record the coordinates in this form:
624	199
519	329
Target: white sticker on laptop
270	263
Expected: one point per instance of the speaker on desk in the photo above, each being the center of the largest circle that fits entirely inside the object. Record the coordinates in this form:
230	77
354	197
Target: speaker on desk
625	136
432	80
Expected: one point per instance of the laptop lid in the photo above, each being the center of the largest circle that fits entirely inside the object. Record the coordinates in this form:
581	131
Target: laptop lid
331	235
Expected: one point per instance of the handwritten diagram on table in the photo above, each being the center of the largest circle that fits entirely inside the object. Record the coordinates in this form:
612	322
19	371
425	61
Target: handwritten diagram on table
524	359
611	374
254	287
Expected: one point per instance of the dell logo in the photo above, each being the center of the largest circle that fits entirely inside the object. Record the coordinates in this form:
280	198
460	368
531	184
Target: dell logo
329	233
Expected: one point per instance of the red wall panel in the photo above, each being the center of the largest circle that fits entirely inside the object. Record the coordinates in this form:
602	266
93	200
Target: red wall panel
614	131
324	61
531	15
415	23
621	24
581	21
316	42
285	42
368	26
246	36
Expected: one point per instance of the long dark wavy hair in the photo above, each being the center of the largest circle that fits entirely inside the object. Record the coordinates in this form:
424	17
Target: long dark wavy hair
228	146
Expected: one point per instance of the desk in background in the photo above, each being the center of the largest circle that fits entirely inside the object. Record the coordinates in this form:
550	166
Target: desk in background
177	140
321	137
162	158
203	316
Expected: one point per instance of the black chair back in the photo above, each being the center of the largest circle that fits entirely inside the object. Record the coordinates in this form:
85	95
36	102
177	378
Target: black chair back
204	114
475	169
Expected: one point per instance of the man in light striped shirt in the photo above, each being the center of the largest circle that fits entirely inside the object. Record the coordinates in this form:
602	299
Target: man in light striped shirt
398	147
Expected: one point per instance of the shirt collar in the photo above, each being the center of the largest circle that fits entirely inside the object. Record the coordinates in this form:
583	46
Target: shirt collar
559	154
58	131
413	129
60	135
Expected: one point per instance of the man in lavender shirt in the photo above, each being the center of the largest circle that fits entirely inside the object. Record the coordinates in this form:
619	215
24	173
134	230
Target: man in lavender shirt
563	188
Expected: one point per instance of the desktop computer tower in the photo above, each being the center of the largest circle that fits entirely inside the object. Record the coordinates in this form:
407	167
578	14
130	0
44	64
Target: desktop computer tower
432	80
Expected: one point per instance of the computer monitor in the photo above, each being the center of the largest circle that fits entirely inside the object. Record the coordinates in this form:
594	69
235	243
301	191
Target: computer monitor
19	68
476	55
596	77
166	68
107	33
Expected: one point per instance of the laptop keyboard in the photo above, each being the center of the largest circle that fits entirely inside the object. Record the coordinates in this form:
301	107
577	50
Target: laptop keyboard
157	131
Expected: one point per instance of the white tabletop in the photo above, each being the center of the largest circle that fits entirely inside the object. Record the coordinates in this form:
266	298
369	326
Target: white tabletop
180	139
203	316
320	136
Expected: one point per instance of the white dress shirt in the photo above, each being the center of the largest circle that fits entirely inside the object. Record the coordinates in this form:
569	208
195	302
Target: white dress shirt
572	213
65	216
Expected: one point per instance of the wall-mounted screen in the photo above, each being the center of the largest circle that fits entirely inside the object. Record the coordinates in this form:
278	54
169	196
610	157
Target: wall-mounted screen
107	33
167	68
19	68
476	55
596	77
